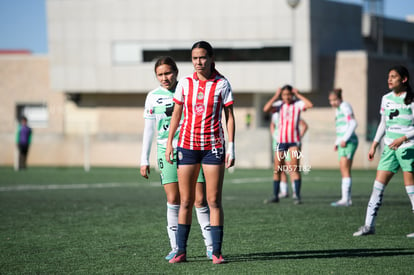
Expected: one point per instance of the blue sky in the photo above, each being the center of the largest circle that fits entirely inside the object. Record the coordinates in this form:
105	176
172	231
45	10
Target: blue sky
23	22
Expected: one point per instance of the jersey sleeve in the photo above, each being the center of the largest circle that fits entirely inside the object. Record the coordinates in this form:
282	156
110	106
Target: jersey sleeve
148	109
300	104
227	93
179	92
382	110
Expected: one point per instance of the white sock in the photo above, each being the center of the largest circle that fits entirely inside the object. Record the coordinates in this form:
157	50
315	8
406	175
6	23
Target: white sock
410	193
374	203
346	189
172	224
203	217
283	187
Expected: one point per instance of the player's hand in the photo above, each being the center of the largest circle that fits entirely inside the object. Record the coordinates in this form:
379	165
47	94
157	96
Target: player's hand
230	155
169	154
397	143
295	91
343	144
145	171
371	153
278	92
336	148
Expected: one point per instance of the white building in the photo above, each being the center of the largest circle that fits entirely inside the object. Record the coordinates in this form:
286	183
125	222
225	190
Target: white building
102	52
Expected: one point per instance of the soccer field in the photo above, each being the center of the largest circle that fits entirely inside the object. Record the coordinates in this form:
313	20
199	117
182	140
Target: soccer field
112	221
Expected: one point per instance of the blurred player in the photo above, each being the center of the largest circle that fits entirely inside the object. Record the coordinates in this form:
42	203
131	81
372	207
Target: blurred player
274	105
346	143
288	151
397	124
158	110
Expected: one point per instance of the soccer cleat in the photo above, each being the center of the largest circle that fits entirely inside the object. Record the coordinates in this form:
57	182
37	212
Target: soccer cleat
171	255
283	195
218	260
364	230
209	254
411	235
297	201
271	200
178	259
341	203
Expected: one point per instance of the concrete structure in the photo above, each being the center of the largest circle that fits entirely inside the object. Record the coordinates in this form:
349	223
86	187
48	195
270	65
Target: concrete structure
101	67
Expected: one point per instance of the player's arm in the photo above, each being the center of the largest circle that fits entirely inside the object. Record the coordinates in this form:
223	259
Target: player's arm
174	123
378	136
308	103
272	127
231	129
303	126
351	125
146	146
268	106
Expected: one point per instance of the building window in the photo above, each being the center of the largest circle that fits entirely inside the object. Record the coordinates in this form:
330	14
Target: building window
36	114
125	53
225	54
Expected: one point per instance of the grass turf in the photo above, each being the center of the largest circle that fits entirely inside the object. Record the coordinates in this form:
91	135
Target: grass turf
112	221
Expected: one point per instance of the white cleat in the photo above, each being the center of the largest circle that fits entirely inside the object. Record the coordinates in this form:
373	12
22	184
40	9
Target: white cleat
364	230
341	203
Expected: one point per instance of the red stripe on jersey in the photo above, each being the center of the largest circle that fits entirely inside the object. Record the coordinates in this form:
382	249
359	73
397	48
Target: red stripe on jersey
211	121
200	112
187	122
289	123
292	123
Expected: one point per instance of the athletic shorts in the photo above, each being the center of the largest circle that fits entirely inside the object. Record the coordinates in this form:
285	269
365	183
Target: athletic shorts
275	149
348	151
392	160
283	147
169	171
215	156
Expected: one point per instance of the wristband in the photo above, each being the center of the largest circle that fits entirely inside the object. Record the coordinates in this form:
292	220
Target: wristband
231	152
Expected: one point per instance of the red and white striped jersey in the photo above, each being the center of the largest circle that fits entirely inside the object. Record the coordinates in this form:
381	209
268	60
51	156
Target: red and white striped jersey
203	102
289	121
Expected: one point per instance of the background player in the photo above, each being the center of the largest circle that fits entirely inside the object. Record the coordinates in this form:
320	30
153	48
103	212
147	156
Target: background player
397	124
346	143
289	137
273	105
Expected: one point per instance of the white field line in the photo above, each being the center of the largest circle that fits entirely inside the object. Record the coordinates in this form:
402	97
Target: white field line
133	184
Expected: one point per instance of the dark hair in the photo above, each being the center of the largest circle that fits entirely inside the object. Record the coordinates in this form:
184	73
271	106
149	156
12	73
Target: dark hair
204	45
287	87
337	92
166	60
403	72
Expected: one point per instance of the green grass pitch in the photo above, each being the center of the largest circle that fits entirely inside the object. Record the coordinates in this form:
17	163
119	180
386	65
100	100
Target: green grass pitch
112	221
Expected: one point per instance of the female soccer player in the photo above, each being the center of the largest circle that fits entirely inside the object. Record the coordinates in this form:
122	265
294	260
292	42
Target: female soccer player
158	110
202	97
397	124
274	105
288	148
346	143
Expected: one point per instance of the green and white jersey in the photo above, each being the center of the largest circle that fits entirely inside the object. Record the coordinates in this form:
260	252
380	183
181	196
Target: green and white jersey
159	106
275	118
399	118
344	115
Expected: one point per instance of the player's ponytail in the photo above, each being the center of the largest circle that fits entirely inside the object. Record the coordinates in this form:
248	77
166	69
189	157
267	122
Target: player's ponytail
403	72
